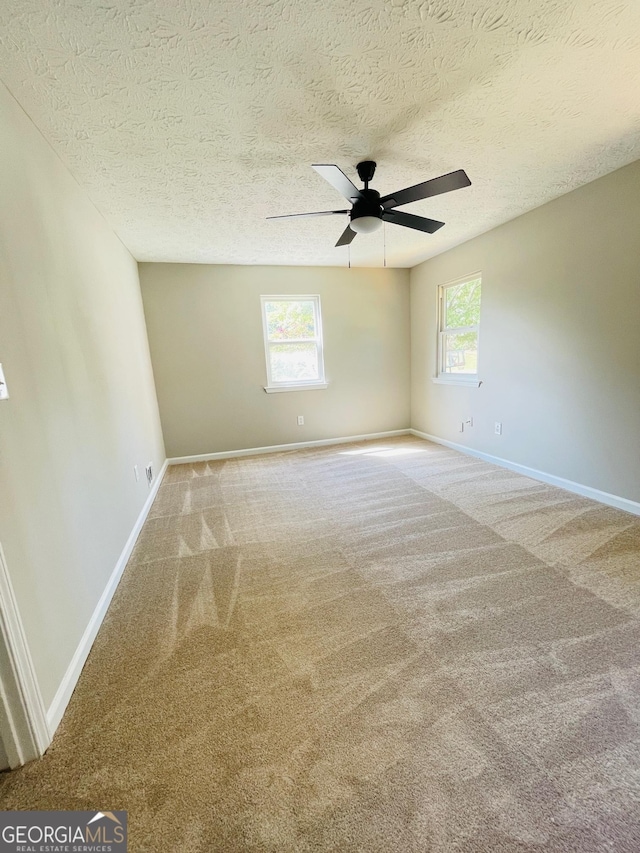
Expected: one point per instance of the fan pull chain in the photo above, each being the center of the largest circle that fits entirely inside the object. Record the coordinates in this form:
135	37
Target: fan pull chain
349	253
384	241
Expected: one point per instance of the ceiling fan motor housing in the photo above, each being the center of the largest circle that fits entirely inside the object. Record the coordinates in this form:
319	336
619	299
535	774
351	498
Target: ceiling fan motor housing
367	205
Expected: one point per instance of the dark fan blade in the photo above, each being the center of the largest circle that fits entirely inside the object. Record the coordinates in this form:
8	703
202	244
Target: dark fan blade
436	186
346	237
339	181
420	223
307	215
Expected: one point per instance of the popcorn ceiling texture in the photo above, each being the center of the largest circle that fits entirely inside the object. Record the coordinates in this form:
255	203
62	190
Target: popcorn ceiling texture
190	122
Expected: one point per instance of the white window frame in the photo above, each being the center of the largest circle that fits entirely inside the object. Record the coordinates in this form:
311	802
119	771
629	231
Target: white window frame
295	385
442	377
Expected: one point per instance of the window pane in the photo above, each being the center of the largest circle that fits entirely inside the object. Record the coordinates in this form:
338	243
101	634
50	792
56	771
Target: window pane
462	304
460	353
287	319
291	362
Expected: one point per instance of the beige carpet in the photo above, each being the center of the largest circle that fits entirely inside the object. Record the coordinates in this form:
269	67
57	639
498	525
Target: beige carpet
374	647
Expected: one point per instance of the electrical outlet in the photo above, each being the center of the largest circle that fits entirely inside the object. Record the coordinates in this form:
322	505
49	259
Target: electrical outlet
498	428
136	473
300	420
149	472
469	422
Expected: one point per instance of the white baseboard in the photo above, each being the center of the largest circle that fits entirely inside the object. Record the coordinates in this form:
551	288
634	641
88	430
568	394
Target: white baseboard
577	488
279	448
70	679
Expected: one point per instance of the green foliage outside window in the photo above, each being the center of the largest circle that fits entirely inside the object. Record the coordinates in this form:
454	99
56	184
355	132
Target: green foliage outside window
462	304
460	321
290	320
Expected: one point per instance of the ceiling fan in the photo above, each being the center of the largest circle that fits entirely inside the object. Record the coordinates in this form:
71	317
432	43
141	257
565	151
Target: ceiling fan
369	209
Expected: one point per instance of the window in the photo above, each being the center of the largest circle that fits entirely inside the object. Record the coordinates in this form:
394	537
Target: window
293	342
458	330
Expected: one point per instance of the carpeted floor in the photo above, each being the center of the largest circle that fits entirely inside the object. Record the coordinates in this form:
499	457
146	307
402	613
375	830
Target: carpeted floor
374	647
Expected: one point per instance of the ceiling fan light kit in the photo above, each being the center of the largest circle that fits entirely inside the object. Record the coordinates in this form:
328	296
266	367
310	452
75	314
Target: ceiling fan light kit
369	209
365	224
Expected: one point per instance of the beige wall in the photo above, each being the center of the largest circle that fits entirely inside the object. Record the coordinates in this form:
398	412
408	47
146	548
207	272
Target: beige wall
205	334
82	410
560	338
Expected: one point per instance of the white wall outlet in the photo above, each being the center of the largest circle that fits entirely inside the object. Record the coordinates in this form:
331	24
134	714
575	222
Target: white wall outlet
469	422
136	473
498	428
300	420
4	391
149	472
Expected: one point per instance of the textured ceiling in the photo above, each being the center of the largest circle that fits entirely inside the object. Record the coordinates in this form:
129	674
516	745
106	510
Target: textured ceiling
188	122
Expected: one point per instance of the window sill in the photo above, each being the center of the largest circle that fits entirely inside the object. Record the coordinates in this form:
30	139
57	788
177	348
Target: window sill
471	382
307	386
